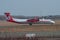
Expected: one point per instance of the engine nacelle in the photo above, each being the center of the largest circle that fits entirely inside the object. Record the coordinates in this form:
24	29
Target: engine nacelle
32	20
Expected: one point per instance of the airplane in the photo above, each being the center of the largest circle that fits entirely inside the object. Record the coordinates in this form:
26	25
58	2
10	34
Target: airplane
9	18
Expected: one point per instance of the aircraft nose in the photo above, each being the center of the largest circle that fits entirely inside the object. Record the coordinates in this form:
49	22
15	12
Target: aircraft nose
53	21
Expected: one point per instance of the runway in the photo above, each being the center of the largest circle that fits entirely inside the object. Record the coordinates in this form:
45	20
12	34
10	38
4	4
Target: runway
8	29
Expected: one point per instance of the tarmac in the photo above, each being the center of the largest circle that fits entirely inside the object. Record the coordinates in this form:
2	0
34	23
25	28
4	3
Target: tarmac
23	33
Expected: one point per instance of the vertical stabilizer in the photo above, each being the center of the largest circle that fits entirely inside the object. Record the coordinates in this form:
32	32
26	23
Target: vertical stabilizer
8	17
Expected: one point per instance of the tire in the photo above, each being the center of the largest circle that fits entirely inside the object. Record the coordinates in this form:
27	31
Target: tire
30	24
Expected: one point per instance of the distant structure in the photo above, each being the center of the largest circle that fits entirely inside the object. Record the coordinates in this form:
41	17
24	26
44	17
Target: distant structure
54	17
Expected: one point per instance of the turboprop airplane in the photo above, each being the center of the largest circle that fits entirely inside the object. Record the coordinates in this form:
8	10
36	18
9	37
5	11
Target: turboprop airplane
9	18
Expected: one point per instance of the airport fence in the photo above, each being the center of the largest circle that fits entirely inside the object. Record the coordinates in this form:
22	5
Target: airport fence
31	38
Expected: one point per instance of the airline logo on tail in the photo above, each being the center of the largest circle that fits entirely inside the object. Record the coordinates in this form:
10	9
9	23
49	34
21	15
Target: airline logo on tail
8	17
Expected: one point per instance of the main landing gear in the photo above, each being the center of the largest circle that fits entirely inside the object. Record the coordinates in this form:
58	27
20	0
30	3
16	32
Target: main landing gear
30	24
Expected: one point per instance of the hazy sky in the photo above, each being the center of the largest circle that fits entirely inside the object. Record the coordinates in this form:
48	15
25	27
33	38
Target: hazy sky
30	7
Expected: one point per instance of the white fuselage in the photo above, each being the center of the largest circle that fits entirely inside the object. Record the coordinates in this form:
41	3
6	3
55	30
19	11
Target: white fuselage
47	21
20	20
40	20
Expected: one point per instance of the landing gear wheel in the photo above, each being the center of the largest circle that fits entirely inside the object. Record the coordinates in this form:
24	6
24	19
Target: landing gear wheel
30	24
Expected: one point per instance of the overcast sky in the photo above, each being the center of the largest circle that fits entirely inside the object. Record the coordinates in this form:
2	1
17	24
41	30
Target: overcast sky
30	7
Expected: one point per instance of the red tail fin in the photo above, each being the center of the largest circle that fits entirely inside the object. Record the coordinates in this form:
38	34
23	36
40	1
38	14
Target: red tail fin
8	17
